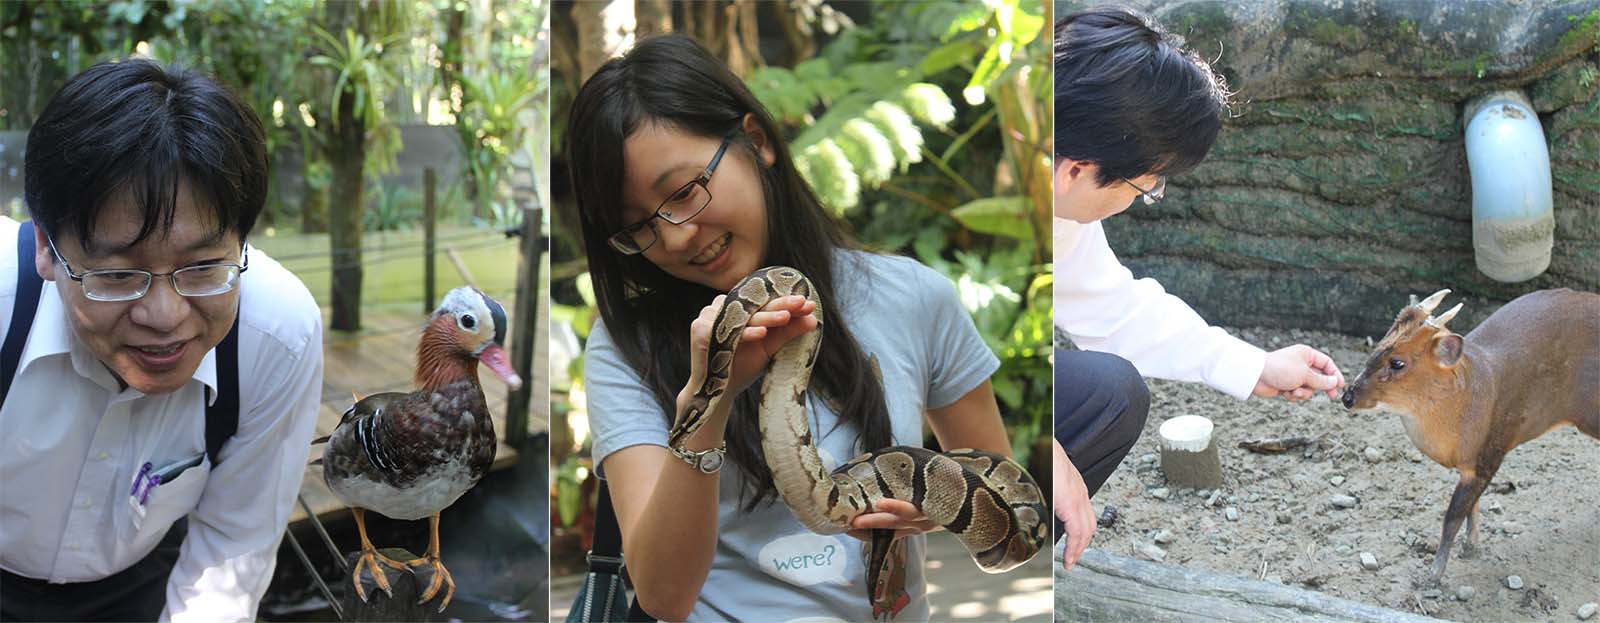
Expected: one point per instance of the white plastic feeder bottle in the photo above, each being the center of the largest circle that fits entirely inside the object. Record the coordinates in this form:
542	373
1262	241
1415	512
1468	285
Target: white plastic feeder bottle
1513	226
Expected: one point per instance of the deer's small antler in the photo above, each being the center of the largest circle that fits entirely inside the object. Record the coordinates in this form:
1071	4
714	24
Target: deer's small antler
1428	304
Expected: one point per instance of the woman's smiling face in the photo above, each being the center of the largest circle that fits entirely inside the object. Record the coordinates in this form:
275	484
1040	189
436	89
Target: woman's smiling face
725	241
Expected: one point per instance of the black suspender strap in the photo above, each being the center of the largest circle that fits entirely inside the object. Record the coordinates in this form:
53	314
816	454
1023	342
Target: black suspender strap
222	415
27	303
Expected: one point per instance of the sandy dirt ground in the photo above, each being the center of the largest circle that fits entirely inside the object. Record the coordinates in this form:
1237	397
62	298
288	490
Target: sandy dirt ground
1273	518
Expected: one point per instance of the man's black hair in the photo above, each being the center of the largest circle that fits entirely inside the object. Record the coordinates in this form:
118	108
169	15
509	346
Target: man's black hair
1129	99
139	128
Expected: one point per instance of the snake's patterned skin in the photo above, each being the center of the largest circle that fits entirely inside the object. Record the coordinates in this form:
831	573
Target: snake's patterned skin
986	500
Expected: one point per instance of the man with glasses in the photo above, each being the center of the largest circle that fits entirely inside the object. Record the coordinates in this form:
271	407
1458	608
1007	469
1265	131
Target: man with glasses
1131	109
160	379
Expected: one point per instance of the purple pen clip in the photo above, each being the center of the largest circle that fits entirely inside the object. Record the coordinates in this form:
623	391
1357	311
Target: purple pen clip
140	479
153	482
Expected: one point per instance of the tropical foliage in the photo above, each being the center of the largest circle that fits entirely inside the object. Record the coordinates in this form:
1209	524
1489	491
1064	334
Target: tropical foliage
334	81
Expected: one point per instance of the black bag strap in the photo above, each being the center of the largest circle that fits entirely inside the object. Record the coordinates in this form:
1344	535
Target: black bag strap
29	284
222	415
606	554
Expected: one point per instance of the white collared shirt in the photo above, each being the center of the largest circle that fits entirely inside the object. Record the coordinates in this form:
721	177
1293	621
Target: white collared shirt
72	443
1103	308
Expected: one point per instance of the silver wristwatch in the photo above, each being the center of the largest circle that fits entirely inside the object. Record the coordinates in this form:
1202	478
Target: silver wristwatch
707	461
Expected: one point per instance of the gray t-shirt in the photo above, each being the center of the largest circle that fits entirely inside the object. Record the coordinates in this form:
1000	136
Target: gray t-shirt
769	567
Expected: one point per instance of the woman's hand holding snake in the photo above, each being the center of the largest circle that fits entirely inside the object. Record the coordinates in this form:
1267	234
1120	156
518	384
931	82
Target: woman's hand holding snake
779	321
900	516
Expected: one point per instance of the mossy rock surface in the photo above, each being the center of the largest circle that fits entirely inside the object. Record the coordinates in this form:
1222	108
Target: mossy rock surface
1340	185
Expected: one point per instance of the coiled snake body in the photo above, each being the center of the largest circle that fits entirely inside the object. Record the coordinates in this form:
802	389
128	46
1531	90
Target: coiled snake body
986	500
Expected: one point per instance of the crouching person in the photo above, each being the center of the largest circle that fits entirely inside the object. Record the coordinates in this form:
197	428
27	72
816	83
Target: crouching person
160	378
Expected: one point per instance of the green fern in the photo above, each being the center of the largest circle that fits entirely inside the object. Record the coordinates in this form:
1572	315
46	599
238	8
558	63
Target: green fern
828	170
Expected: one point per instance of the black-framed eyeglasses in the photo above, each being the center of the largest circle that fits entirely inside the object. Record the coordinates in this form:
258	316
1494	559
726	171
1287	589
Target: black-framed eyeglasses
1155	193
683	204
127	284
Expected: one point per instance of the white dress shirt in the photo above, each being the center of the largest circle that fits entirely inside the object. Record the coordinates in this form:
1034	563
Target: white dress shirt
72	443
1103	308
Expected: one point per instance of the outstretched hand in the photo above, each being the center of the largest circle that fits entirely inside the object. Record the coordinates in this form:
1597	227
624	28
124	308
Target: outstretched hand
1297	372
902	517
780	320
1072	506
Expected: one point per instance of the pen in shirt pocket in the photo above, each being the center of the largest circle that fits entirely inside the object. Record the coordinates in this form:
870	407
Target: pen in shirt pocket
171	472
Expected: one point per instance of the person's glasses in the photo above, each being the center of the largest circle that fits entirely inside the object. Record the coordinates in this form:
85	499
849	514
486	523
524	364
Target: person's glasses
1155	193
683	204
127	284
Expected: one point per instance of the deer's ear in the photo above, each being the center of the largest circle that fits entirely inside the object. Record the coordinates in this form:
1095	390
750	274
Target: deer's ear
1447	349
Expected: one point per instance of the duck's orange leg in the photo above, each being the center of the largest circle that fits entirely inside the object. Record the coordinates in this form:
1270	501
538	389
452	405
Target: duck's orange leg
370	559
441	577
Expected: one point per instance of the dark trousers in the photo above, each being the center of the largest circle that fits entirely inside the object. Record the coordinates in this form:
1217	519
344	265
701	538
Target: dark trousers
1100	407
137	593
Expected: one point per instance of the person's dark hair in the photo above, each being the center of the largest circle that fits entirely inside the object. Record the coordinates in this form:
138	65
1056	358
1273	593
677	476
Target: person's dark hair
672	81
1129	99
136	127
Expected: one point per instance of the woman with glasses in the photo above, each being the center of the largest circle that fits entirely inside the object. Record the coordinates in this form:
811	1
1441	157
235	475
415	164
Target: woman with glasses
1131	109
161	378
684	185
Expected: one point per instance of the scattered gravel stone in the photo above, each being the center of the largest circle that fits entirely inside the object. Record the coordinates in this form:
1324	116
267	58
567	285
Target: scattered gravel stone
1587	610
1148	551
1231	513
1336	480
1160	493
1432	593
1465	593
1514	582
1163	536
1373	455
1511	527
1344	549
1285	518
1147	458
1216	496
1368	561
1342	501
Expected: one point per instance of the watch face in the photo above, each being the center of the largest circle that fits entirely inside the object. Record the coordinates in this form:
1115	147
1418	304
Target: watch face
711	462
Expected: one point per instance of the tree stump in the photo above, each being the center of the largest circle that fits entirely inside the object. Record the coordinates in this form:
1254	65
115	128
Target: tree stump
407	585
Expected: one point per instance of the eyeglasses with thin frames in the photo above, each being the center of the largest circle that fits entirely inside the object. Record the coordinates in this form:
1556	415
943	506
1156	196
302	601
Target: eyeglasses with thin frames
1155	193
128	284
685	203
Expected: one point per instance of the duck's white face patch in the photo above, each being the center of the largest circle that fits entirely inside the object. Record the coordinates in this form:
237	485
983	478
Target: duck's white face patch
465	302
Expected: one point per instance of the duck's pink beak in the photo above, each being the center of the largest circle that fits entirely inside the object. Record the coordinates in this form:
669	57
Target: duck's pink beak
495	358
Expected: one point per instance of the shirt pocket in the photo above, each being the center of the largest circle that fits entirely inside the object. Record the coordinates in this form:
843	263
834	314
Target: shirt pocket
141	526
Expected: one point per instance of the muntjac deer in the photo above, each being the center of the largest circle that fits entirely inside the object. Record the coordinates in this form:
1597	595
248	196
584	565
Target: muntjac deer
1530	367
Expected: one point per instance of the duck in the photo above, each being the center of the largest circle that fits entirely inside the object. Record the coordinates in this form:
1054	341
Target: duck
410	455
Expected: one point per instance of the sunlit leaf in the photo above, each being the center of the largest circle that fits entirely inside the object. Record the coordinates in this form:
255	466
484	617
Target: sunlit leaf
999	216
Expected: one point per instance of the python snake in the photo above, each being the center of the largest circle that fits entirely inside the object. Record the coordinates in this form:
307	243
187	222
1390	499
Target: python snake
986	500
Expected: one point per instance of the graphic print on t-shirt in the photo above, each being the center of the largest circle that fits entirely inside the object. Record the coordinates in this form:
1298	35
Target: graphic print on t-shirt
807	559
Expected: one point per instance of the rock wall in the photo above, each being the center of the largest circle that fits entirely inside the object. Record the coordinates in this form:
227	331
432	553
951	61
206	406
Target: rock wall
1340	184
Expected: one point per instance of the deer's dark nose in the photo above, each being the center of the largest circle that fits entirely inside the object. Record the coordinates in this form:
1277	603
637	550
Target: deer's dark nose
1349	398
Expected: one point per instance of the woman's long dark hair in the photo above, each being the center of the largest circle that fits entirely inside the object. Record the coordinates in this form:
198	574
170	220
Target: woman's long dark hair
671	80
